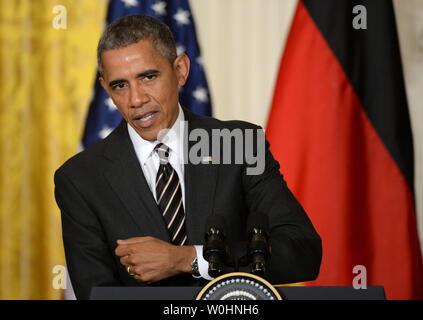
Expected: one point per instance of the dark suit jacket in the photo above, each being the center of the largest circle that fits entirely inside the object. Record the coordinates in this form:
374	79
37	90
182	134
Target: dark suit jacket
103	196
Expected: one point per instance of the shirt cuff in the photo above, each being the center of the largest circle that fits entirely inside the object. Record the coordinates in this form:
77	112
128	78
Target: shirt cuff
203	265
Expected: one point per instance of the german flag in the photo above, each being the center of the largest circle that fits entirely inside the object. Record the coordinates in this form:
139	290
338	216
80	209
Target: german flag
340	128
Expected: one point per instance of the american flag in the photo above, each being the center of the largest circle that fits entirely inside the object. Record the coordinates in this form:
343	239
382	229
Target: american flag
103	115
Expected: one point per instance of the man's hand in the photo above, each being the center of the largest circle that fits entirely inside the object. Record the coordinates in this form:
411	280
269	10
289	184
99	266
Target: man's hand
151	259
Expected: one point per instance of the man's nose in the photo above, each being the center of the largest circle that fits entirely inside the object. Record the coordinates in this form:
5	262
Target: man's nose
138	97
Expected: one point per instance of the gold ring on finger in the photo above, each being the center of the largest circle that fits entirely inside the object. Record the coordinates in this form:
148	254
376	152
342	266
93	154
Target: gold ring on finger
129	270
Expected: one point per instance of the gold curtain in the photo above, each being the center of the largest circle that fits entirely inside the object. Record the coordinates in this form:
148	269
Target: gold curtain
47	70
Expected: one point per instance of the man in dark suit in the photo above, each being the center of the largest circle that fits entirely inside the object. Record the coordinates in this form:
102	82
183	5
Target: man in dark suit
134	207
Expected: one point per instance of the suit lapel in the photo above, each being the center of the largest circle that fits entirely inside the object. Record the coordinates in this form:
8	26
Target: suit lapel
126	178
200	184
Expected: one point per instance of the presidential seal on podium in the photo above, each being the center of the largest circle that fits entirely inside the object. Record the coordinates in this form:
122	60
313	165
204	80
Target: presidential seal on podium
238	286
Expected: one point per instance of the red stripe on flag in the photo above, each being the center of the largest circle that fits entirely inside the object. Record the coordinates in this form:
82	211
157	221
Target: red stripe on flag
339	169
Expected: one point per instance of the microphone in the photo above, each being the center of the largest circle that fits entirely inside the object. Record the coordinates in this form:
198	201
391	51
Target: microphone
215	250
259	250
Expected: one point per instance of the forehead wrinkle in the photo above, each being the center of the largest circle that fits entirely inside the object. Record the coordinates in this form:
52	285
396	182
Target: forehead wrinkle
132	57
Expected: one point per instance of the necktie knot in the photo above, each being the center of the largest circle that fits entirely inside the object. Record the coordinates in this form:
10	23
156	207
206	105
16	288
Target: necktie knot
163	152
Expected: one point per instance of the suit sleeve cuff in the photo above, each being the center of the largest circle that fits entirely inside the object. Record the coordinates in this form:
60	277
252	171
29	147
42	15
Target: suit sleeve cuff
203	265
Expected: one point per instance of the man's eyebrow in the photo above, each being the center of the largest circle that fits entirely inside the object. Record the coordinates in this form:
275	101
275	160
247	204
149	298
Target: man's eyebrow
145	73
115	82
148	72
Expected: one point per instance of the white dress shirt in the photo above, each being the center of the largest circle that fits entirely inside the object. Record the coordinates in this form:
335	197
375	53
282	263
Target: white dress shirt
150	162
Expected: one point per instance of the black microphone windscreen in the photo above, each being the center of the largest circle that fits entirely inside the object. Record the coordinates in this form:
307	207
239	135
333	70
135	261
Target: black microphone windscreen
258	220
215	221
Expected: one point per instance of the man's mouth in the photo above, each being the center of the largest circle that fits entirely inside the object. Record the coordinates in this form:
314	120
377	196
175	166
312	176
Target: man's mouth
147	119
147	116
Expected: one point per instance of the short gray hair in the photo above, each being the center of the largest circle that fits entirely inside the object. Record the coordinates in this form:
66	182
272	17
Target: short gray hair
131	29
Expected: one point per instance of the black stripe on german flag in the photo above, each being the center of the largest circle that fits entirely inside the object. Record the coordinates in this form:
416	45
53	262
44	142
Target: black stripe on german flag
371	60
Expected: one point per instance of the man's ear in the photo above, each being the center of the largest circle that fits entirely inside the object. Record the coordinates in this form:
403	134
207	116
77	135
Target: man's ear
181	66
103	84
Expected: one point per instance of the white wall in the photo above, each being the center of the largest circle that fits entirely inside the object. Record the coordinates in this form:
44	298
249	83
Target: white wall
242	42
409	14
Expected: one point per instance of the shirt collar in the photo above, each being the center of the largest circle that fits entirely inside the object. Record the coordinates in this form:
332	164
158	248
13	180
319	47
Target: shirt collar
173	139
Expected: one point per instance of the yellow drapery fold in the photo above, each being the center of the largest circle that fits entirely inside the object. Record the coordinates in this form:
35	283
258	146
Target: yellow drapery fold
46	80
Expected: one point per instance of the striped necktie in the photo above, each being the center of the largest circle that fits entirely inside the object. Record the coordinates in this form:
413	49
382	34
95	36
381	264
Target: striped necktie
169	197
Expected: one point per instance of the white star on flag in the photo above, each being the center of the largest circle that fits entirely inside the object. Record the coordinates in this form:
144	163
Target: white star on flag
199	60
105	132
159	8
200	94
130	3
180	49
181	17
110	104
